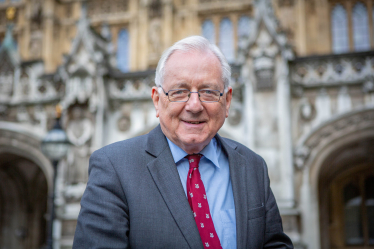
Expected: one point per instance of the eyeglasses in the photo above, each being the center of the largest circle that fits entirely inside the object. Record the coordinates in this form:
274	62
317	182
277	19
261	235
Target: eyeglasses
183	95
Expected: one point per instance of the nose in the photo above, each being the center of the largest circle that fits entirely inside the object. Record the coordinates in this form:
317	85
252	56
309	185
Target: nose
194	104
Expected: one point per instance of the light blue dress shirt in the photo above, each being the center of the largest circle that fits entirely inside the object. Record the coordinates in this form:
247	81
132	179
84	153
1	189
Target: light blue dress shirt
215	174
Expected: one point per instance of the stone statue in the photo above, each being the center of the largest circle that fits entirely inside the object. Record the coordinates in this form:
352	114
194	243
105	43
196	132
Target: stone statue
79	131
155	37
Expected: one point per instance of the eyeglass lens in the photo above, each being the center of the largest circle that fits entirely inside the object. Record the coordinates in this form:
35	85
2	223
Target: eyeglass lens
205	95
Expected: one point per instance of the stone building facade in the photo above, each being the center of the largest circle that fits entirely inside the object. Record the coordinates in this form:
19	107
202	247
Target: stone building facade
303	98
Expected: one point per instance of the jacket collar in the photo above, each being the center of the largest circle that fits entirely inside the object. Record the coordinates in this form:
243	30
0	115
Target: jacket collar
157	142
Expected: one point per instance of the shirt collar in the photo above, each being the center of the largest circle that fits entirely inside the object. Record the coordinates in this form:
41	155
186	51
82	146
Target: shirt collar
210	152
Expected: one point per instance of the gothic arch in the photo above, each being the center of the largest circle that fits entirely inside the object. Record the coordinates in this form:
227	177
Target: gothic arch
22	142
25	181
314	157
313	147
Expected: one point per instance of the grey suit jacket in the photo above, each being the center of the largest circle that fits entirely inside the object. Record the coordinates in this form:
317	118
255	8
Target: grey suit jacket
134	199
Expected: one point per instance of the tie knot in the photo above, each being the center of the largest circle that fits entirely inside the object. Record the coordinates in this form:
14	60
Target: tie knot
194	160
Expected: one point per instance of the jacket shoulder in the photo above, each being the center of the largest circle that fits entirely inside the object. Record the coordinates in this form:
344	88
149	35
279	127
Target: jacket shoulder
243	150
124	147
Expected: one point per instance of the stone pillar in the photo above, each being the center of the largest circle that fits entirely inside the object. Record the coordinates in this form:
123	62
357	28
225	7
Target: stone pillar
134	34
48	35
248	100
99	124
167	23
193	19
143	36
286	200
301	28
309	212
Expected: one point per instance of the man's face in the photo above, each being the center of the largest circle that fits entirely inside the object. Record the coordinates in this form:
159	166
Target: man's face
192	124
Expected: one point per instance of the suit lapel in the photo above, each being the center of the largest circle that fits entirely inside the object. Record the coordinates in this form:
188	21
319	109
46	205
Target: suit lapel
165	175
237	164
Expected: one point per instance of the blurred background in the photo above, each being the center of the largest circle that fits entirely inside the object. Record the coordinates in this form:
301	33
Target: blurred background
303	98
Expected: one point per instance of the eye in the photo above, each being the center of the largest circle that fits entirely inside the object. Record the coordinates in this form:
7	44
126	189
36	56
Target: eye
209	92
178	92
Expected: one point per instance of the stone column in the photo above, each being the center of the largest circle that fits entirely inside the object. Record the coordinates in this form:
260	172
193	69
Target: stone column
143	35
48	35
309	212
193	18
248	100
285	140
301	28
134	34
167	23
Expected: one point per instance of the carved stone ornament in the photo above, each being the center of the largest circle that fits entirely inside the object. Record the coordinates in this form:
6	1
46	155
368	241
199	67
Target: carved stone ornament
263	54
297	91
368	86
130	89
334	70
35	47
75	191
307	110
78	89
6	84
265	79
235	116
23	114
79	129
330	131
124	123
300	156
107	7
155	40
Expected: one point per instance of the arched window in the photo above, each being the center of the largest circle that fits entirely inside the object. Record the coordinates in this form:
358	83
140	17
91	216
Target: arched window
226	39
352	215
339	27
360	26
123	51
244	27
208	31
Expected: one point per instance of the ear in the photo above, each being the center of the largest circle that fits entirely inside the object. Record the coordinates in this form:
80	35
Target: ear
228	100
155	99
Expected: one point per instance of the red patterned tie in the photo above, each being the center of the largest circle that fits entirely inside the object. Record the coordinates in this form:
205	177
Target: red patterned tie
199	204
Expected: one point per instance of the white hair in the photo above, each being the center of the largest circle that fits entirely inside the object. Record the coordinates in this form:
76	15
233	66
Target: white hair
193	43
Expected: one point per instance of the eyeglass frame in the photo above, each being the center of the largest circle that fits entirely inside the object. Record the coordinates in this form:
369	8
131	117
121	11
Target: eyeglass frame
167	94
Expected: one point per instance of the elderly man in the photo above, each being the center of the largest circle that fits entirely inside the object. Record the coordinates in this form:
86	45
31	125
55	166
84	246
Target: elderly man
181	185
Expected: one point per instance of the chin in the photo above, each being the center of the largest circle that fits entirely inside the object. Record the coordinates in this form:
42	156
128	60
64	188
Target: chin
196	140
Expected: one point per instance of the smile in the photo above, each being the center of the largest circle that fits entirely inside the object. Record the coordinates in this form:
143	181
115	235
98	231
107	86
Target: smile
194	122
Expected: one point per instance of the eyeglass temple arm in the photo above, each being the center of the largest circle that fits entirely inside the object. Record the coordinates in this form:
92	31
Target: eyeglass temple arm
166	93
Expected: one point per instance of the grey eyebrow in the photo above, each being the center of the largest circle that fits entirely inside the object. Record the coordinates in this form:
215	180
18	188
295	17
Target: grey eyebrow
209	86
184	85
180	86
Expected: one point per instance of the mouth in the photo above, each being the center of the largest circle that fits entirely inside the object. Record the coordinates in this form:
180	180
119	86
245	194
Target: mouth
194	122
